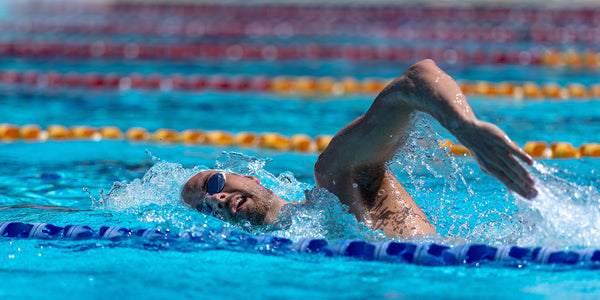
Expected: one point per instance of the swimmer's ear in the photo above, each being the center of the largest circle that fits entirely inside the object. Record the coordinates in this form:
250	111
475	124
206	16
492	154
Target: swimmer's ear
253	178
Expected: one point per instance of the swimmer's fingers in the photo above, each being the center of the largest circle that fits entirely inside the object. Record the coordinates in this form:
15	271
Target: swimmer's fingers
516	186
520	154
498	156
507	154
514	179
515	170
520	179
519	171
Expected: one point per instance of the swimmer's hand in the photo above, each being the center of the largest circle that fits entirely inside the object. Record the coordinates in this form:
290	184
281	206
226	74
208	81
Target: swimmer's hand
497	155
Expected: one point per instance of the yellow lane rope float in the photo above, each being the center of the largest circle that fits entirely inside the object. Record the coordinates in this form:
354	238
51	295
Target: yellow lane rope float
274	141
304	85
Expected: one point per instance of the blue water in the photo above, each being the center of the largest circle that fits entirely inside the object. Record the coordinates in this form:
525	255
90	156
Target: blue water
135	185
335	68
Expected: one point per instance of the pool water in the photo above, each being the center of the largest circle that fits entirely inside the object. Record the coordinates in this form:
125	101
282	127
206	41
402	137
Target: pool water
136	185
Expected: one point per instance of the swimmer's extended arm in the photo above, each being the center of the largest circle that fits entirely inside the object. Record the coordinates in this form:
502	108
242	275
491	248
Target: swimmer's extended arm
370	141
426	88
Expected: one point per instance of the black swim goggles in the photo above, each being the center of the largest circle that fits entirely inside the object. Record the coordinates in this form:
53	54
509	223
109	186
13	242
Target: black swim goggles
214	185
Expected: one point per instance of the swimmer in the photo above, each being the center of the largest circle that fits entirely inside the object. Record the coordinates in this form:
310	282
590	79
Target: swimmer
353	167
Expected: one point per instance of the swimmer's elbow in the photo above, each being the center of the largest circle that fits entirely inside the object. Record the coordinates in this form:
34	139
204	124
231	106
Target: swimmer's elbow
406	89
320	171
417	74
414	89
326	169
425	65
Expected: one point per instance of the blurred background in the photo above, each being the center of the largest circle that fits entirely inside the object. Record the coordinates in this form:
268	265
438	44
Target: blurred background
148	71
509	50
107	107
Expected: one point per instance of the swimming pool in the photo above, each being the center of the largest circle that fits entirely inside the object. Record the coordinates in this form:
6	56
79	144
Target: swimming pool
465	205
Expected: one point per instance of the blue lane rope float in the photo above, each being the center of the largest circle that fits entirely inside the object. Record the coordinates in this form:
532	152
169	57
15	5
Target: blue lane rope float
426	254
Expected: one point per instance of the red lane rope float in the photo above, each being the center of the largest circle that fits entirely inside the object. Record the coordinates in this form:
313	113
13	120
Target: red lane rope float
429	29
284	84
235	28
188	51
273	141
357	12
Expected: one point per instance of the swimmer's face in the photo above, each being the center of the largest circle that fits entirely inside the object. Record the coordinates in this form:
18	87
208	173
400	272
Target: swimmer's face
241	197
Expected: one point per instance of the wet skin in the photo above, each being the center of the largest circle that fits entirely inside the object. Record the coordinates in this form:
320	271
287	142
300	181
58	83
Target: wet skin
353	167
242	198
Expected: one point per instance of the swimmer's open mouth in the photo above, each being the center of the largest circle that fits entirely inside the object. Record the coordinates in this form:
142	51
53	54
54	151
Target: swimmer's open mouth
239	203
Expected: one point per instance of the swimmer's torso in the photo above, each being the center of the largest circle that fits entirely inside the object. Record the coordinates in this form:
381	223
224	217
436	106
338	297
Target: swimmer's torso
376	198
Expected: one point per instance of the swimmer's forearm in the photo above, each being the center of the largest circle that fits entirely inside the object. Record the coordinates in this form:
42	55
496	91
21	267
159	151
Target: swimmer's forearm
375	137
425	87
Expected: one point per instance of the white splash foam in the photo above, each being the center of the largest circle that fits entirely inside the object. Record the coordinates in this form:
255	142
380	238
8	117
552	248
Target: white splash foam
563	213
155	199
322	216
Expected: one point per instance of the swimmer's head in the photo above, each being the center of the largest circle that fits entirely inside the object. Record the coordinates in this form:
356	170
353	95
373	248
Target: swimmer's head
232	197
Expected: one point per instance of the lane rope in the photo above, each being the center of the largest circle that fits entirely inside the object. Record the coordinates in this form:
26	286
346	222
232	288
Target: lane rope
426	254
273	141
344	11
423	30
455	54
306	85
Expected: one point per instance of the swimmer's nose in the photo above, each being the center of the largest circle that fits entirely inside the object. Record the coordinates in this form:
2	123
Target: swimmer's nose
217	203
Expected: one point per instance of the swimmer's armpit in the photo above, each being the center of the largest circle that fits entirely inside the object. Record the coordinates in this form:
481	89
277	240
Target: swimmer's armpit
45	207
